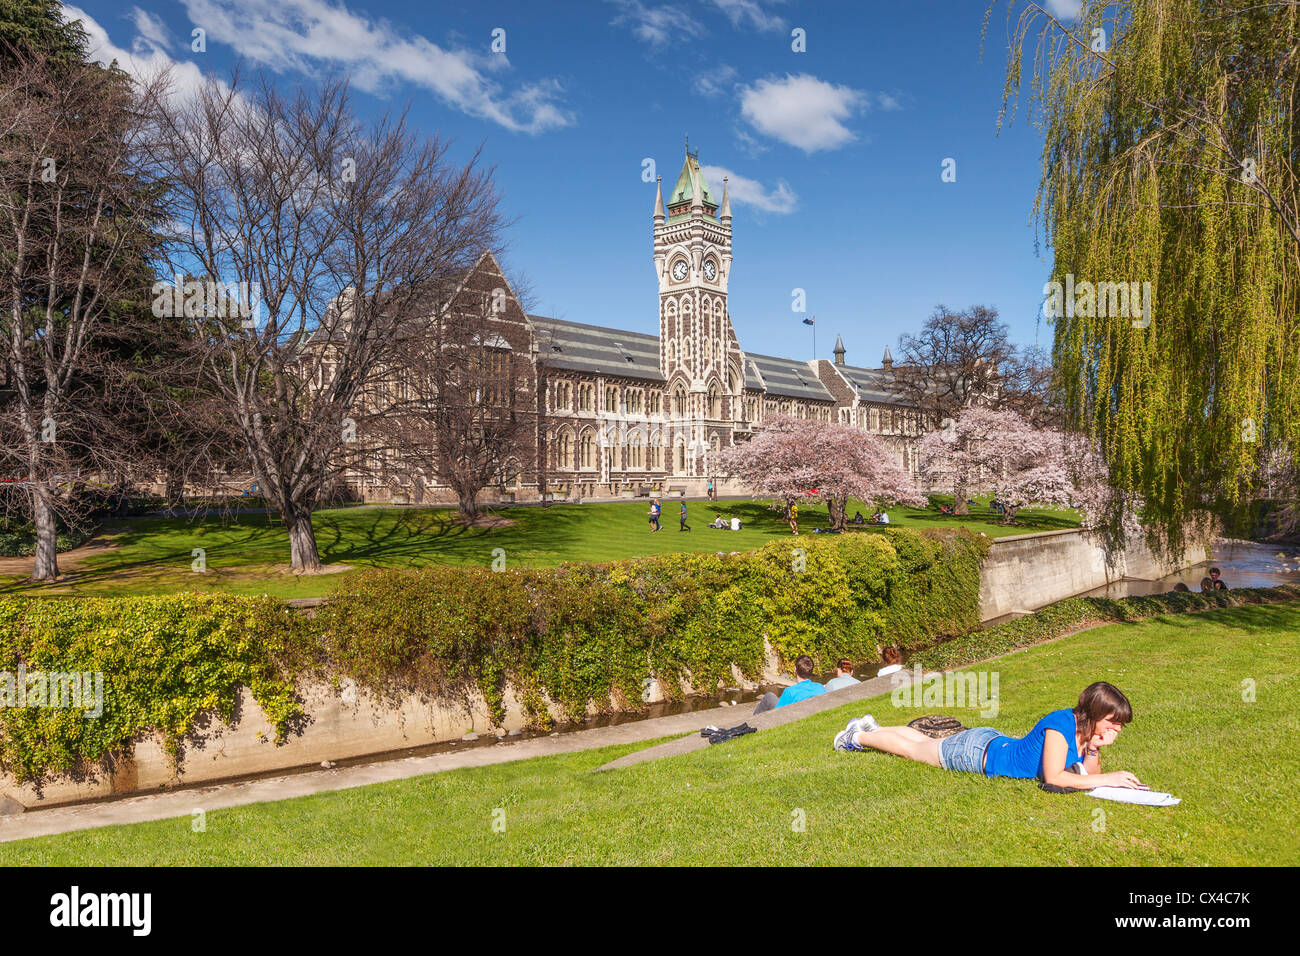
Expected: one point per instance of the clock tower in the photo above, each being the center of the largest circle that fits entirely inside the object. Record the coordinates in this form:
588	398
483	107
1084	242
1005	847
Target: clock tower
699	353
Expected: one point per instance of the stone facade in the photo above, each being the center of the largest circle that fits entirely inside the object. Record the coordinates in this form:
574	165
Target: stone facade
624	414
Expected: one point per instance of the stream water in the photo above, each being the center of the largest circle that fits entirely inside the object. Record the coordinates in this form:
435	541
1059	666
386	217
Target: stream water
1243	564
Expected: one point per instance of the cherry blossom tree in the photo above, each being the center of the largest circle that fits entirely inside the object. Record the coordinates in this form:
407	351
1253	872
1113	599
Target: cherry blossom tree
1000	450
792	458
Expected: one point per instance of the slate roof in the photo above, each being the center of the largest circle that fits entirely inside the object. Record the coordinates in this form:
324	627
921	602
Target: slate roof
591	348
871	384
789	378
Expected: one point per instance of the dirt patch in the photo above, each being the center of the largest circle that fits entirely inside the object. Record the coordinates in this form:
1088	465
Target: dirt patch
324	569
487	521
67	559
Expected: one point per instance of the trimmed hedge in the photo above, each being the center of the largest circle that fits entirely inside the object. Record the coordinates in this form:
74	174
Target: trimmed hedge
1075	614
576	635
168	663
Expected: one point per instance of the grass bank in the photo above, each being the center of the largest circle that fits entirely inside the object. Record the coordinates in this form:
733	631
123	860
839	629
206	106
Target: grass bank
1197	732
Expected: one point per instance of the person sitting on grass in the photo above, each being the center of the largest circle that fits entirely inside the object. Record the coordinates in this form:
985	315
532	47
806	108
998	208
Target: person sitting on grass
893	659
1219	585
857	518
843	676
805	688
719	523
1058	742
1207	585
1180	586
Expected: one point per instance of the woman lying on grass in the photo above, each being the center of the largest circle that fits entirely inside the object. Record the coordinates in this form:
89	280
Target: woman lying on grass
1059	741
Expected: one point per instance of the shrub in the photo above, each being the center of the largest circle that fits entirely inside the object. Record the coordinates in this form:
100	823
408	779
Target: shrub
166	663
581	634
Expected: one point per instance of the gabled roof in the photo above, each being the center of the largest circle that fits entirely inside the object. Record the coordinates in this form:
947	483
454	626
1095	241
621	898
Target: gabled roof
787	377
871	384
592	348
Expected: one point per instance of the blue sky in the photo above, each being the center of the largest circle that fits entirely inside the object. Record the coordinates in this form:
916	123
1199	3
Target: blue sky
835	153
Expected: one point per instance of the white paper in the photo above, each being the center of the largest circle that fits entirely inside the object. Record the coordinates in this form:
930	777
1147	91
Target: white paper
1148	798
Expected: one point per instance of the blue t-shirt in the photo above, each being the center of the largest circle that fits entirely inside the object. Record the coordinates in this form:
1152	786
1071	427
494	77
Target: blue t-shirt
800	691
1023	757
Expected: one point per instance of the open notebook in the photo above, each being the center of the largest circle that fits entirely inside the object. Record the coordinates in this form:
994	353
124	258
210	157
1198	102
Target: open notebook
1147	798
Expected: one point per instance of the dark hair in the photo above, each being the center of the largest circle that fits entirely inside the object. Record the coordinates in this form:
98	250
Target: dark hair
891	655
1180	586
1207	584
1097	702
803	666
1215	571
845	664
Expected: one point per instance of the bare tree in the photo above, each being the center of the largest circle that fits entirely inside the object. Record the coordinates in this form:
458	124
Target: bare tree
337	232
76	220
466	413
959	359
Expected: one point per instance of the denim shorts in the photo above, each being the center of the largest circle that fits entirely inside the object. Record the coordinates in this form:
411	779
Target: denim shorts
965	751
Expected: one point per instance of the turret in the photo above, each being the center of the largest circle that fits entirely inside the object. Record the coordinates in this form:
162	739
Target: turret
839	350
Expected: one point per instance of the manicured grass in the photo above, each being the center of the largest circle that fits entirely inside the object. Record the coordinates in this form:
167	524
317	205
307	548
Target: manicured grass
249	554
1233	762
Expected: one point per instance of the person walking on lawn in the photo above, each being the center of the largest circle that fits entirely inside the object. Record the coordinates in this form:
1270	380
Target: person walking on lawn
654	515
685	526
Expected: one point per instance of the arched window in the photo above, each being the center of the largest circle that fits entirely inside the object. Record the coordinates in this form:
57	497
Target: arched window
587	450
636	453
715	402
564	451
681	458
679	402
611	398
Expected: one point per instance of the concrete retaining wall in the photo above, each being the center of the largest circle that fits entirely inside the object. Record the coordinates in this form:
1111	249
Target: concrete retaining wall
344	722
1027	571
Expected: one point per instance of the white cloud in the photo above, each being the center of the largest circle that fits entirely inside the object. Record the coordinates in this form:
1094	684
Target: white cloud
655	25
887	102
802	111
1065	9
659	25
305	36
752	12
750	192
147	56
152	31
717	81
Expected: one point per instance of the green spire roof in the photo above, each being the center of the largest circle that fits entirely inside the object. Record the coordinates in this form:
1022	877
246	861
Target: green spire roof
684	191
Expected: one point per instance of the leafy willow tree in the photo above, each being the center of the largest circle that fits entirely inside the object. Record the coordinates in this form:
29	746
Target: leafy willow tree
1170	157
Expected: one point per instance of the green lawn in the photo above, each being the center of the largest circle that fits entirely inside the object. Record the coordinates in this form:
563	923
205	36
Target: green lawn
1234	763
250	554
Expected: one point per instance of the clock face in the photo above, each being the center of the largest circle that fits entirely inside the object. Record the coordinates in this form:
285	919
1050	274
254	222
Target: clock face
710	270
679	269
